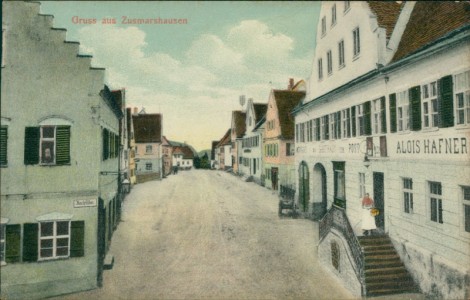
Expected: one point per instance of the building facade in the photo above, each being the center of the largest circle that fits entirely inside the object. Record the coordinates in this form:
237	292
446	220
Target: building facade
224	152
238	129
386	113
251	153
167	152
56	196
148	144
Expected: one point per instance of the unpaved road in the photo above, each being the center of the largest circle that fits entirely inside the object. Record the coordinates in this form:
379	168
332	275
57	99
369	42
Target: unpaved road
207	234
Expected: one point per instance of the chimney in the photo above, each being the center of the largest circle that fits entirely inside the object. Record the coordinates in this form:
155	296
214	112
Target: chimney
135	110
291	84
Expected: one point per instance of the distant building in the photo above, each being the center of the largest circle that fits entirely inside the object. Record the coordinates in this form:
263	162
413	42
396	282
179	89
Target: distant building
131	146
224	152
238	130
167	156
59	160
148	141
251	153
213	161
183	157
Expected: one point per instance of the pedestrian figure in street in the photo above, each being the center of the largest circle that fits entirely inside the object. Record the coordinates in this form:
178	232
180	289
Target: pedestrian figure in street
368	220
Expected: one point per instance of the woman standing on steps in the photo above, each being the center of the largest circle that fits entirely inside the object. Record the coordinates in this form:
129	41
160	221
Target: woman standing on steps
368	221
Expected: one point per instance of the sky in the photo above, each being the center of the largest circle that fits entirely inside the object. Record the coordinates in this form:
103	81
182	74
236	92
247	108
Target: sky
193	73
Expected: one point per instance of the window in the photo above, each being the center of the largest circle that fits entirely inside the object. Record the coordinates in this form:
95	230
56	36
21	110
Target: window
360	120
329	61
435	197
317	129
339	184
362	185
357	42
324	128
310	131
430	105
466	207
341	53
462	98
335	128
408	195
347	5
148	149
323	26
54	239
346	121
3	146
320	69
333	15
290	149
403	112
47	145
3	46
378	115
148	166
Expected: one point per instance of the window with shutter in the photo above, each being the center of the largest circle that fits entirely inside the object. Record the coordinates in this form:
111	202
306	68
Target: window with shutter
77	239
392	98
430	105
3	146
383	116
353	121
367	119
415	103
30	242
31	145
11	243
63	145
435	196
446	102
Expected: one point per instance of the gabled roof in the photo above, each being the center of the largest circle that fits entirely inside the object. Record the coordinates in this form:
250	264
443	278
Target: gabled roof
225	140
428	22
260	111
118	97
260	123
108	98
185	150
147	128
239	119
166	142
387	13
286	101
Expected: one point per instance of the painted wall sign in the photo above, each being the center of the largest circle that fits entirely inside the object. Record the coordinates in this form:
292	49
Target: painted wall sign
455	145
84	203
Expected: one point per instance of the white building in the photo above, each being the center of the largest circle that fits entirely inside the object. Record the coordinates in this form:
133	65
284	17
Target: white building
388	112
251	151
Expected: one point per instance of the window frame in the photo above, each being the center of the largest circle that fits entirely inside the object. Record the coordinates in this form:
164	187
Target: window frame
54	237
376	116
323	26
341	59
435	202
329	62
320	69
147	165
347	6
403	111
4	146
356	42
362	185
407	193
463	89
147	147
333	15
360	120
465	204
427	100
346	123
3	235
43	139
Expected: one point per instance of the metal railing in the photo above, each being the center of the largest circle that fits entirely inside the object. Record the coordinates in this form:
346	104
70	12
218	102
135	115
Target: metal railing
336	218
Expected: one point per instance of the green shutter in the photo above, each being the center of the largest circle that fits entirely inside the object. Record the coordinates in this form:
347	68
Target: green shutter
31	145
63	145
327	128
338	122
105	144
30	241
13	243
3	145
77	239
415	107
383	115
116	145
367	116
393	112
446	102
353	120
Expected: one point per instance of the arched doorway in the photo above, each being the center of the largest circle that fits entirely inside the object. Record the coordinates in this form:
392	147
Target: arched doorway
304	187
319	191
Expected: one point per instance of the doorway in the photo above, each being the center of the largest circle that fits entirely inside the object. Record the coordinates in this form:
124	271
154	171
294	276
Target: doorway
274	173
319	197
379	199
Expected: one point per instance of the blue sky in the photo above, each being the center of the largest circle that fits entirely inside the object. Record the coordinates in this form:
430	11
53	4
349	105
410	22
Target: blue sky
193	73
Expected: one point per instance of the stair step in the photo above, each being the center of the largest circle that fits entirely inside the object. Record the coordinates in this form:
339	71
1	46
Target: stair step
384	271
404	276
381	258
374	252
375	242
383	265
392	290
406	283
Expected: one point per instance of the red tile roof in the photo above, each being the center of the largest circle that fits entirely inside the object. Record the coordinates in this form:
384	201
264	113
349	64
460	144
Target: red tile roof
225	140
430	21
147	128
286	101
387	13
185	150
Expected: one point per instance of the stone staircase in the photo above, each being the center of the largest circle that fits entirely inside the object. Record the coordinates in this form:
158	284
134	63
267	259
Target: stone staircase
384	272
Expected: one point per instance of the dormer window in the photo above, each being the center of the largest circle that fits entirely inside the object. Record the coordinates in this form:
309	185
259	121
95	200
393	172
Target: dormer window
333	15
323	26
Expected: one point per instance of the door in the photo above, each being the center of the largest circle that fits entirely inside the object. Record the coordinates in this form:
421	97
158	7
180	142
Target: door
254	165
101	243
379	199
304	188
274	172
